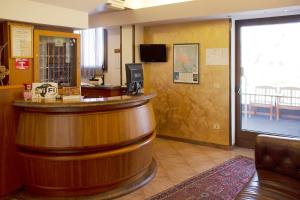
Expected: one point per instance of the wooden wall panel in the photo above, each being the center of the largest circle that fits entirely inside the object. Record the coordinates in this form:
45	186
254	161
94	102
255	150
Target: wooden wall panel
9	177
17	76
20	76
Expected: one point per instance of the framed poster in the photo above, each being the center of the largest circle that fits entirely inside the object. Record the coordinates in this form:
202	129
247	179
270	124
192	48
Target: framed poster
21	37
186	63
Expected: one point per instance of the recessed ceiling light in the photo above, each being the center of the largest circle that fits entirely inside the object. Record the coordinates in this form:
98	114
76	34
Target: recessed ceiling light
136	4
115	4
285	10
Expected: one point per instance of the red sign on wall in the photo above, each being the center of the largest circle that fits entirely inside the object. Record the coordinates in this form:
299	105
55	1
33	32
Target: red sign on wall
22	63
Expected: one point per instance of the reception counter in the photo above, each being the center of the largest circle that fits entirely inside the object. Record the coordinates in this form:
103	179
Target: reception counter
86	146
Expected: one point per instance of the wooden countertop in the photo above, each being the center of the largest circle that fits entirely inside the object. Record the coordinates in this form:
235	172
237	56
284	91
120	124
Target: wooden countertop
7	87
84	104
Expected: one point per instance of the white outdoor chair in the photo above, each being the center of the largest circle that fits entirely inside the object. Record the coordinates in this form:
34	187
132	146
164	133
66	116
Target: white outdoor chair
264	97
289	99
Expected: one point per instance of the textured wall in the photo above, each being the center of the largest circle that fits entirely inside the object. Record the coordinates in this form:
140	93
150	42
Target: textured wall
190	110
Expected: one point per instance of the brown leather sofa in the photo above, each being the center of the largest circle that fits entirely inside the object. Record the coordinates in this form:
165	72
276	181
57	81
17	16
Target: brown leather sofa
277	161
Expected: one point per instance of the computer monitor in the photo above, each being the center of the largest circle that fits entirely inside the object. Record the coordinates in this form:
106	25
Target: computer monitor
134	78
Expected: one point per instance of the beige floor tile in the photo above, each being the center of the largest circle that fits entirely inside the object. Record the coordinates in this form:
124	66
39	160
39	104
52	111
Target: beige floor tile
132	196
179	161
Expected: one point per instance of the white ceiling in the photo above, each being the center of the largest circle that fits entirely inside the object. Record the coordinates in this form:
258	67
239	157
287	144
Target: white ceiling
197	10
96	6
89	6
193	10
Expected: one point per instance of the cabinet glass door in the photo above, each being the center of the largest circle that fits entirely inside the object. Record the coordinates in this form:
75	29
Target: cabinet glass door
58	60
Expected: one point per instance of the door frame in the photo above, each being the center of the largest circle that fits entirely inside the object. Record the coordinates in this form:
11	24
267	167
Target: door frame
246	138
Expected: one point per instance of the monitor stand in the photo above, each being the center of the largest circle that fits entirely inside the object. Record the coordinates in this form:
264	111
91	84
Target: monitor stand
137	86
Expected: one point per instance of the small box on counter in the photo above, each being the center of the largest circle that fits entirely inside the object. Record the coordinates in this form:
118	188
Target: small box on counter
70	93
27	94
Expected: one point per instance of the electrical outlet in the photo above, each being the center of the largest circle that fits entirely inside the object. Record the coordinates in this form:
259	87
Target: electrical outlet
216	126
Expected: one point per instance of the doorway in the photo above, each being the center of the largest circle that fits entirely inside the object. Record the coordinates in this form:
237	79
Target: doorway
267	78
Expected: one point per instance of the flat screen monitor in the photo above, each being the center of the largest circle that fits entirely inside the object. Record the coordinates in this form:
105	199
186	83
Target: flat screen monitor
153	53
134	78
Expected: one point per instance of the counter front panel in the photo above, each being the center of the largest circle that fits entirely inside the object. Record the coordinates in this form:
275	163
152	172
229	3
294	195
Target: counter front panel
88	145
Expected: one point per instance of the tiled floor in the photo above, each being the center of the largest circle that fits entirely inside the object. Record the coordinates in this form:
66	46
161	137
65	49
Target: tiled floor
178	161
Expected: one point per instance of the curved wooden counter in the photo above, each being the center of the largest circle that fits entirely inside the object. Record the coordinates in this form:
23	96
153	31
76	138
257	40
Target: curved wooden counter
85	146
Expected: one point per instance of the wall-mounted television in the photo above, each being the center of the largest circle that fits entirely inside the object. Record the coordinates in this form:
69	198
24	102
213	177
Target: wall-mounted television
153	52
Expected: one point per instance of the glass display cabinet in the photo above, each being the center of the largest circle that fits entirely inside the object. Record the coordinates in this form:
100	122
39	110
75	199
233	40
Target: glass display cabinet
57	58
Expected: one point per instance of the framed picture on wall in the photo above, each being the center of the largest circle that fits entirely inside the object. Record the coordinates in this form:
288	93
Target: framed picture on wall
21	41
186	63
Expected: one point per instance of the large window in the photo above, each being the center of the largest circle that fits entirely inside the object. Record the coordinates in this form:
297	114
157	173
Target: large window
93	47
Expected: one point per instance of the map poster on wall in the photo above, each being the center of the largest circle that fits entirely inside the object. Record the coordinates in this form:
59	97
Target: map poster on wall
186	63
21	41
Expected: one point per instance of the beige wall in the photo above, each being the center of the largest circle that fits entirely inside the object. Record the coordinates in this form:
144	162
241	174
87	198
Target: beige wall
127	51
139	39
112	76
39	13
190	110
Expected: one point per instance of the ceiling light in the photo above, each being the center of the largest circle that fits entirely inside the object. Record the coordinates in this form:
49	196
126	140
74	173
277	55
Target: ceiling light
137	4
115	4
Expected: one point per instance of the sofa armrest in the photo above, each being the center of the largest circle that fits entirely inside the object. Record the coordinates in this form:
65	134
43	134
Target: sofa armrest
278	154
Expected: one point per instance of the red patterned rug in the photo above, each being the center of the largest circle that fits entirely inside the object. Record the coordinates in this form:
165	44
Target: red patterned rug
224	182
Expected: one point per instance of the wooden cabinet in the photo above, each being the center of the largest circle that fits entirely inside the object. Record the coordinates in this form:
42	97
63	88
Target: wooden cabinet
9	161
57	58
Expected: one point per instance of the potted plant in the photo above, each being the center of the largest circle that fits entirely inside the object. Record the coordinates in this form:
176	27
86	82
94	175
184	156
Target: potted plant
3	71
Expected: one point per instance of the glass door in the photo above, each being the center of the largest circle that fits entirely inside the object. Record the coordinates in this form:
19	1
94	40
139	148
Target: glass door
268	78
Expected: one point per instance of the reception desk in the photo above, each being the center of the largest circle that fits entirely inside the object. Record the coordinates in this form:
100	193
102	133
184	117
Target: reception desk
87	146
